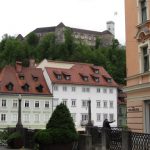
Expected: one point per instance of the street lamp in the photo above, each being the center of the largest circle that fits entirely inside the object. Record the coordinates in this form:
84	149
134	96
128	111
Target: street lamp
89	114
19	124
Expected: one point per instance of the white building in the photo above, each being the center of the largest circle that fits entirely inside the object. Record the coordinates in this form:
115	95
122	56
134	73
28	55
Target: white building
76	83
35	95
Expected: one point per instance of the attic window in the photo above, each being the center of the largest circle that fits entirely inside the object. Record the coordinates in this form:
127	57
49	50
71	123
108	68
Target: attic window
58	75
21	76
95	78
108	79
39	88
67	76
84	77
95	69
9	86
35	78
25	87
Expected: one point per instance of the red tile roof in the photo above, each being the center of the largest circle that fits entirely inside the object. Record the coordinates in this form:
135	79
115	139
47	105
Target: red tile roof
10	75
76	78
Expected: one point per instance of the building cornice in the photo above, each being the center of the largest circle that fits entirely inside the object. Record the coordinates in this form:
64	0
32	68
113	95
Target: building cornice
130	89
138	75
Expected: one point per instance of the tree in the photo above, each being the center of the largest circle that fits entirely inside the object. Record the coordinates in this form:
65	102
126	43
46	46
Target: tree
59	129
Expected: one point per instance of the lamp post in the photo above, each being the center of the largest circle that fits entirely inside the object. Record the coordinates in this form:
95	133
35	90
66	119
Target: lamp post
89	114
19	124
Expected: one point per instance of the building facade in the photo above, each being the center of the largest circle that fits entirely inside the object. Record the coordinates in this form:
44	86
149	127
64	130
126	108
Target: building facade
35	97
82	35
75	84
138	64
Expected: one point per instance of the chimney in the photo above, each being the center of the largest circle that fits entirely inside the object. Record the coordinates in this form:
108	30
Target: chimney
18	66
32	63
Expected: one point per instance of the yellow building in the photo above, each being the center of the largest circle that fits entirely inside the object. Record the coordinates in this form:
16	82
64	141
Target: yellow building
137	15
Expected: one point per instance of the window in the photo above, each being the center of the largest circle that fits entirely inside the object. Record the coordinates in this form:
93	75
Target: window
55	88
47	117
46	104
3	117
98	103
84	117
98	90
143	11
21	76
64	88
105	104
64	102
9	86
145	59
3	103
55	102
14	118
105	116
26	104
84	103
104	90
73	89
36	119
73	102
111	104
73	115
111	117
98	117
110	90
39	88
36	104
85	89
59	77
26	117
25	87
15	103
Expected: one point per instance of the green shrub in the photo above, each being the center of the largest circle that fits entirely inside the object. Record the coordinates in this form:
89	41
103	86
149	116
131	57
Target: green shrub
59	129
15	140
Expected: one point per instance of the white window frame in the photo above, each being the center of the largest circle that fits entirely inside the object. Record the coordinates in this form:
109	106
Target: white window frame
98	90
4	103
46	104
37	104
15	103
85	103
3	117
26	104
98	103
65	88
111	104
73	102
98	117
105	102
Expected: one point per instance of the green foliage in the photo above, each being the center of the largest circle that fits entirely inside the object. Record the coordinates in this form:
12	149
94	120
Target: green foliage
112	58
4	136
15	140
59	129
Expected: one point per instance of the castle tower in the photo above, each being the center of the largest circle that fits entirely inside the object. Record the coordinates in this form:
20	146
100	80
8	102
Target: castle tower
111	27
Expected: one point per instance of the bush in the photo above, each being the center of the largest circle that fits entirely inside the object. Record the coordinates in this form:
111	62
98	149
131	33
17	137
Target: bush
15	140
59	129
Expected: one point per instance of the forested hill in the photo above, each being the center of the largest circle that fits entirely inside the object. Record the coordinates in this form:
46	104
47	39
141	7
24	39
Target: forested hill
112	58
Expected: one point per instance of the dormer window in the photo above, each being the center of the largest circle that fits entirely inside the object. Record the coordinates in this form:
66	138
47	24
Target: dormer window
58	75
21	76
35	78
9	86
39	88
67	76
84	77
25	87
95	78
108	79
95	69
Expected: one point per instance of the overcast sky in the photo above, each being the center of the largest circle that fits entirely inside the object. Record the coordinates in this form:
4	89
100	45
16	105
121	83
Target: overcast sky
23	16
